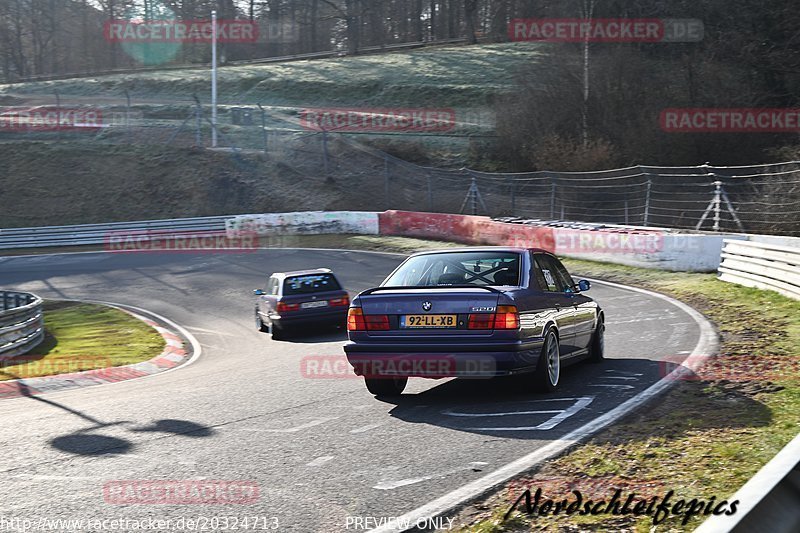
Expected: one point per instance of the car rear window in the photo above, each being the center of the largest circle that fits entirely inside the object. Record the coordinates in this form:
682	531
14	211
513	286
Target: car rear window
310	283
458	268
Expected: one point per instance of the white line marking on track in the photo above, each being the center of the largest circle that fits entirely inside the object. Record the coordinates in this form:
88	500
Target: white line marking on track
319	461
625	373
211	331
389	485
608	386
562	415
625	378
509	413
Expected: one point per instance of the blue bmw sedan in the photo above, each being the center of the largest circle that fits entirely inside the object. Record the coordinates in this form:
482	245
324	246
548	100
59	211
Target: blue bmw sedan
473	312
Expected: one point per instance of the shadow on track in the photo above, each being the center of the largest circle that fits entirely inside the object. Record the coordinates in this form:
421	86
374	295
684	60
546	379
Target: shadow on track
505	407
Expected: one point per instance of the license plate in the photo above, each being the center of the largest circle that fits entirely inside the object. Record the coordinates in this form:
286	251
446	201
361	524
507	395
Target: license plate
314	305
428	321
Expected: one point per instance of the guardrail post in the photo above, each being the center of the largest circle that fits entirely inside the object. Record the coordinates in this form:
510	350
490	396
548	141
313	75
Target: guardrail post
553	199
646	220
513	196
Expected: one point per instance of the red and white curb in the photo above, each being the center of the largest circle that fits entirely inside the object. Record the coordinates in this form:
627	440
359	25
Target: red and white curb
174	355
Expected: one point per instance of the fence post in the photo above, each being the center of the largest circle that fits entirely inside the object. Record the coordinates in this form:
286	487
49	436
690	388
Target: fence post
646	220
626	211
58	115
717	203
198	135
430	194
513	196
386	180
325	151
128	114
264	128
553	199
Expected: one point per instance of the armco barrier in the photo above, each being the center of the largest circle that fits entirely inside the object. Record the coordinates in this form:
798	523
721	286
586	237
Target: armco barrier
641	247
93	234
465	229
661	249
305	223
762	265
21	323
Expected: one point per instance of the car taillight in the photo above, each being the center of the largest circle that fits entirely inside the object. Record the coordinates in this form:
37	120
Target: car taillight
505	317
481	321
355	320
284	307
377	322
339	302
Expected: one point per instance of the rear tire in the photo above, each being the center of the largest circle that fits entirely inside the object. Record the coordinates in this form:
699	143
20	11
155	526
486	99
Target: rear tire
278	333
386	387
597	347
548	370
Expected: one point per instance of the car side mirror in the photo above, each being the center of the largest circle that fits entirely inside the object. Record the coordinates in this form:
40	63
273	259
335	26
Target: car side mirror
584	285
259	292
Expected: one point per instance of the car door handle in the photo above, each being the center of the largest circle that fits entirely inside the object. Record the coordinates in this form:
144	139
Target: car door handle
558	307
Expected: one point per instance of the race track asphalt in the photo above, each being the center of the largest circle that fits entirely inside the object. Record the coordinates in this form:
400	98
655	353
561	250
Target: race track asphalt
320	450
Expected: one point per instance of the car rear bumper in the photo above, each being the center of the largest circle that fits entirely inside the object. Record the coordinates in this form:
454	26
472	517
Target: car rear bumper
329	316
474	359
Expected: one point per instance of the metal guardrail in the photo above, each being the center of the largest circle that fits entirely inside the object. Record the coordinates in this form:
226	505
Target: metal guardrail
763	266
769	502
21	323
93	234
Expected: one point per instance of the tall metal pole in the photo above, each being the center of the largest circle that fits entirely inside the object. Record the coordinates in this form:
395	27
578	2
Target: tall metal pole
214	79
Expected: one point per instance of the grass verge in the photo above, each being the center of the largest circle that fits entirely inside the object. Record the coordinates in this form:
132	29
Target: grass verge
704	438
81	336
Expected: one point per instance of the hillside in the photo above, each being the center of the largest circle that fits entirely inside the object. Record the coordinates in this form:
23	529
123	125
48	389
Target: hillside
454	76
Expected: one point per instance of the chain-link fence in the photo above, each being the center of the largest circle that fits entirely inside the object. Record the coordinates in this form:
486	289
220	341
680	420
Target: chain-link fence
752	199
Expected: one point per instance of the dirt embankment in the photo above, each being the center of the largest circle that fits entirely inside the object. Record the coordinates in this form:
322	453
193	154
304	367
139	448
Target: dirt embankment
46	183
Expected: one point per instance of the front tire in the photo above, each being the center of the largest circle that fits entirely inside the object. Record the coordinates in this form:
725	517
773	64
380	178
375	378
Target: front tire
597	347
387	386
548	370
